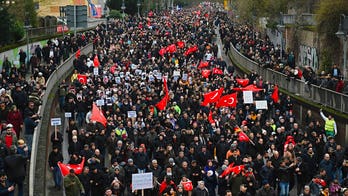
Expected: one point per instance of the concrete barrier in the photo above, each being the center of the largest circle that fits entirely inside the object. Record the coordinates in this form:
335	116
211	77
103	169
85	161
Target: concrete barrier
39	154
323	96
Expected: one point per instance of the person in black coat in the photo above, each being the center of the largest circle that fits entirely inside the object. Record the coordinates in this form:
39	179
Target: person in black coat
141	159
53	159
301	171
97	182
57	139
15	168
6	187
221	149
75	146
200	190
85	180
203	156
129	169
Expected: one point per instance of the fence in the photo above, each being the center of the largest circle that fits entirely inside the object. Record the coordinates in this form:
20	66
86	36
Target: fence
313	93
38	164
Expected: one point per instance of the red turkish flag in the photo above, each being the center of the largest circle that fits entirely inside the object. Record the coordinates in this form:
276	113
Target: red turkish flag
242	137
212	97
206	73
65	168
82	78
194	48
171	48
217	71
161	105
243	82
191	50
96	62
97	115
78	53
203	64
228	101
237	169
227	171
187	185
250	87
210	117
162	51
275	94
165	86
231	169
180	44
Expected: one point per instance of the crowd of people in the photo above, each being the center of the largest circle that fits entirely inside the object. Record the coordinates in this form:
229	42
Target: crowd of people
189	148
139	63
260	49
21	90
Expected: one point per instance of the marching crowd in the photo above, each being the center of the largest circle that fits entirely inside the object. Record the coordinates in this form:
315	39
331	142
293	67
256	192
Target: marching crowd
151	77
21	90
154	79
260	49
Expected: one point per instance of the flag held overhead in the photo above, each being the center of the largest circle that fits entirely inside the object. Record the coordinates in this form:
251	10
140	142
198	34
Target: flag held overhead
97	115
212	97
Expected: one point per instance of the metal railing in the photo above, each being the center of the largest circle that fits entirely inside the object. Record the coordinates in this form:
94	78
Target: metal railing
38	161
37	32
313	93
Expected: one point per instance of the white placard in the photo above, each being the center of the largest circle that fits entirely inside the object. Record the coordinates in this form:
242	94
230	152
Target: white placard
96	71
56	121
184	77
138	72
248	97
261	105
108	101
151	78
67	114
142	181
176	73
132	114
143	76
117	80
159	76
100	102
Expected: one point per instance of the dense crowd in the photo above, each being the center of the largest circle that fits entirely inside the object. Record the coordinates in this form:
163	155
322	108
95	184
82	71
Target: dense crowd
188	147
21	90
260	49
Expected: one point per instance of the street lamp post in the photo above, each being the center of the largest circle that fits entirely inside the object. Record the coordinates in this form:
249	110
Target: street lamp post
281	29
106	14
342	34
138	5
123	7
27	26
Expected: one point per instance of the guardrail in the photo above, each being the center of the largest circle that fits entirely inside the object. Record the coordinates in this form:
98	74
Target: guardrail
313	93
38	164
39	31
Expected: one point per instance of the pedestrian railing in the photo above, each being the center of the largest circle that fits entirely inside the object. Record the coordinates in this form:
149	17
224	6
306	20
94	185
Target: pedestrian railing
39	154
311	92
